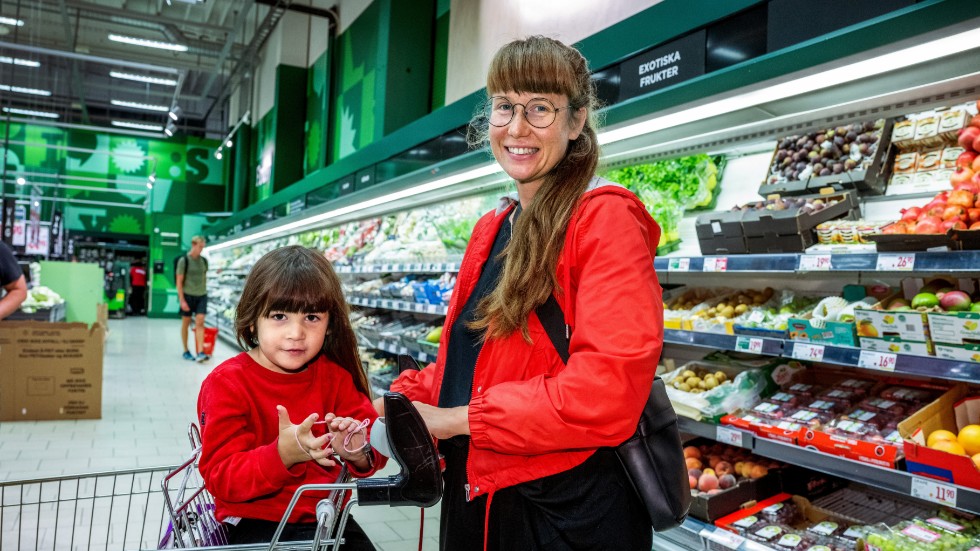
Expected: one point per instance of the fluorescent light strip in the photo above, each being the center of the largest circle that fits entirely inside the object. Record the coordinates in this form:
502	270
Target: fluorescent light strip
143	78
138	126
18	61
921	53
142	106
30	113
12	21
306	223
22	90
147	43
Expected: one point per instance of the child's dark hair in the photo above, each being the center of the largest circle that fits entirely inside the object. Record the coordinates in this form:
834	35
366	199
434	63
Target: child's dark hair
297	279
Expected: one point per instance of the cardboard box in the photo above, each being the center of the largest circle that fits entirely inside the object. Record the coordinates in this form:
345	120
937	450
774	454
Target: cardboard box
963	353
896	331
954	327
51	371
951	411
745	493
833	332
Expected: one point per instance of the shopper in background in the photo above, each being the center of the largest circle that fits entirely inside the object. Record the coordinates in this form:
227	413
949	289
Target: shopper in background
301	362
137	282
529	440
12	281
192	274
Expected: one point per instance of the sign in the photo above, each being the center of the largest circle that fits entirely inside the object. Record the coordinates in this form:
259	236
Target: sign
663	66
19	238
7	221
34	228
809	352
814	262
727	435
39	246
895	262
877	360
57	233
749	344
297	205
715	264
934	491
678	264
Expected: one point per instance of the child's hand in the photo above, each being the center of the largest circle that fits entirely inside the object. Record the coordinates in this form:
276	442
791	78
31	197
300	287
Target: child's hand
297	443
349	438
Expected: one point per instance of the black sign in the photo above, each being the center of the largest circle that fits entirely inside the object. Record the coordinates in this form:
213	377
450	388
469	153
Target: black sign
663	66
297	204
7	221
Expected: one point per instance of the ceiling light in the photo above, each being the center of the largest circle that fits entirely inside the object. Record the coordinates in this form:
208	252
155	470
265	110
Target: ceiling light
143	78
217	154
11	21
22	90
137	105
21	181
147	43
920	53
18	61
153	177
319	219
229	144
175	112
170	129
149	185
30	113
138	126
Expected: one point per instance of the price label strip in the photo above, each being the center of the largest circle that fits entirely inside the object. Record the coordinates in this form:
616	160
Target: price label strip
808	352
715	264
895	262
678	264
934	491
814	262
748	344
727	435
722	537
877	360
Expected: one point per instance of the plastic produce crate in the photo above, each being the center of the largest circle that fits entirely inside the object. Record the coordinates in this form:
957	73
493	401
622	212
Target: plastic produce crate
54	314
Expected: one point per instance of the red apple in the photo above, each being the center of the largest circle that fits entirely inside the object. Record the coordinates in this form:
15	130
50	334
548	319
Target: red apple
976	142
967	158
967	136
961	174
976	164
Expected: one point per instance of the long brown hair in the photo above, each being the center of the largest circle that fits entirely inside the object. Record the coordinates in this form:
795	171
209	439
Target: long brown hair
297	279
539	65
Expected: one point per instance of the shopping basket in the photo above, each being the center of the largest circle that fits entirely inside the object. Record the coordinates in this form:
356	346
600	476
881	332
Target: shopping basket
210	336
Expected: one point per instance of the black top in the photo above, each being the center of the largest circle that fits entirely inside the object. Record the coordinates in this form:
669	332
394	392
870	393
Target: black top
465	343
10	270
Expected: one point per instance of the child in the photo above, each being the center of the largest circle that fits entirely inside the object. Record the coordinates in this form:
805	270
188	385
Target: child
301	362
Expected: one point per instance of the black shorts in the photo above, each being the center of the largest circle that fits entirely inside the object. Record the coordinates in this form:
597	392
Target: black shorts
195	305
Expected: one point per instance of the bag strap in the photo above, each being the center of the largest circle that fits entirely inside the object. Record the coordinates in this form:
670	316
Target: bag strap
553	320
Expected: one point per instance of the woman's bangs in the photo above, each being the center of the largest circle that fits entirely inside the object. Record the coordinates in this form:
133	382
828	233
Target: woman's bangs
535	72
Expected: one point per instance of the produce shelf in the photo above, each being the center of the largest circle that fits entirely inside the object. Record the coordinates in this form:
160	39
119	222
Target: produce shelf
900	482
394	347
952	261
405	306
684	537
416	267
900	364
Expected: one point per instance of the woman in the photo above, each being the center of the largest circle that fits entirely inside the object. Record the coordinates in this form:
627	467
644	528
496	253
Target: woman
528	440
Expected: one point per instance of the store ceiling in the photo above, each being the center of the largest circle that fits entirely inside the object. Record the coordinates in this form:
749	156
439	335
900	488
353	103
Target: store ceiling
71	41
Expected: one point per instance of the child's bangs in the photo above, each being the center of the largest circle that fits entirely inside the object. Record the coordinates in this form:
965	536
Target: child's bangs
298	294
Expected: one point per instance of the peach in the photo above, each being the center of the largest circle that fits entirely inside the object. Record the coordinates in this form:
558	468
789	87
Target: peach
713	460
693	481
696	473
715	491
758	471
726	481
693	463
692	451
710	471
707	482
723	468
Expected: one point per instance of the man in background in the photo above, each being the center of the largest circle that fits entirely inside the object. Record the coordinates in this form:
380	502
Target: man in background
12	281
137	280
192	273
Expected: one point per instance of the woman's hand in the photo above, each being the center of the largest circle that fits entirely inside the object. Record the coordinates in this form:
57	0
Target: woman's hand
297	443
444	423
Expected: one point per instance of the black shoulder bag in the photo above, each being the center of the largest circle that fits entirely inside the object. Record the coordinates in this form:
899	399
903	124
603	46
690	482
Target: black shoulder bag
653	457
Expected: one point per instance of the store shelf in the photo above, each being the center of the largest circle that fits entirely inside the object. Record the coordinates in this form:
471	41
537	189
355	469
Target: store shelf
396	348
416	267
899	482
402	305
899	364
953	261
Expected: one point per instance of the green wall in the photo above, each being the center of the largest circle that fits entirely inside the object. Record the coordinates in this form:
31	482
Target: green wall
317	113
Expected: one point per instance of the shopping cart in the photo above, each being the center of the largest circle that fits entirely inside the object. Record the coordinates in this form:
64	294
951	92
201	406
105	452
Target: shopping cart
170	507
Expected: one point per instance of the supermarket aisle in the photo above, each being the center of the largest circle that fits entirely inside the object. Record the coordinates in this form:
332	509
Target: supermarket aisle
149	397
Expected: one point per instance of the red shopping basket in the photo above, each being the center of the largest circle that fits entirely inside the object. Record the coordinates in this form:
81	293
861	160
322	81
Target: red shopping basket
210	336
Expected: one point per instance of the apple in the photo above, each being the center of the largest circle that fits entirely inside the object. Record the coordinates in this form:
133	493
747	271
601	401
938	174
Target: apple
961	174
967	158
976	142
967	136
976	163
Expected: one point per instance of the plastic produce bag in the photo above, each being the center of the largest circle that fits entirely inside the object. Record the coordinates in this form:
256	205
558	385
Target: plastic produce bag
744	390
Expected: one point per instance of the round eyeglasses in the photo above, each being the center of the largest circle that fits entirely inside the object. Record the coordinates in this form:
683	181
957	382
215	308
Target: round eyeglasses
539	112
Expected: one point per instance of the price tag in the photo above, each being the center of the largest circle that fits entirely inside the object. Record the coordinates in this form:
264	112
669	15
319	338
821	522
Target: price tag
748	344
932	490
814	262
715	264
877	360
727	435
895	262
372	303
432	308
726	539
403	350
809	352
678	264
